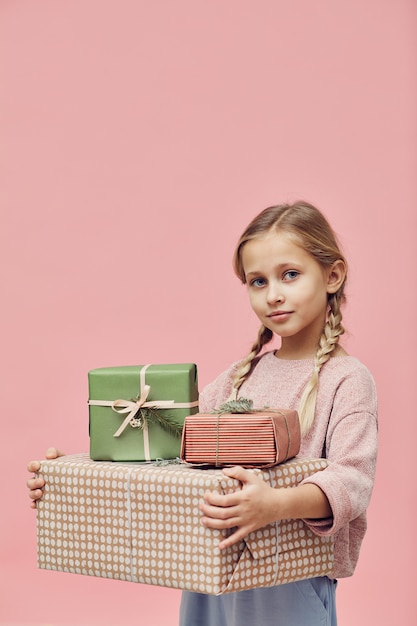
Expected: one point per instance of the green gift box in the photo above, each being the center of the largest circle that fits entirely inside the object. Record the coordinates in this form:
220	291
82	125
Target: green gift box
137	411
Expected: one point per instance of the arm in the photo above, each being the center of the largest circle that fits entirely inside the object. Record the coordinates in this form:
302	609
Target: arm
36	484
336	495
352	453
257	504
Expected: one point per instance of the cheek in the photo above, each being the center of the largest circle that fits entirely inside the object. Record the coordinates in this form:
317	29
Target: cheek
254	300
318	302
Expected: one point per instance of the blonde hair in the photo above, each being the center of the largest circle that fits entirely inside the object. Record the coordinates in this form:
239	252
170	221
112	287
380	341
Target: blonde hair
317	237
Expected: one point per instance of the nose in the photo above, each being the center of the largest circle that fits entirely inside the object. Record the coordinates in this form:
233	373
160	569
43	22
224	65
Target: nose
274	293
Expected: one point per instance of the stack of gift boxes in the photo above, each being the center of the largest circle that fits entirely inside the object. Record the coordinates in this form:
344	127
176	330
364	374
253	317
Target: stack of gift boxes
129	509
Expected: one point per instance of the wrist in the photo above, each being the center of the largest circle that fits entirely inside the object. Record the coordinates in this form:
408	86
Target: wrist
302	502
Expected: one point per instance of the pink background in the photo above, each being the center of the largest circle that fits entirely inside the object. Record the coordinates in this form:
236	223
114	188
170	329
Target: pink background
139	138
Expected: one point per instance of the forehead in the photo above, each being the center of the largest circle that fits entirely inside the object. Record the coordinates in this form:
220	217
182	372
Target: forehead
273	249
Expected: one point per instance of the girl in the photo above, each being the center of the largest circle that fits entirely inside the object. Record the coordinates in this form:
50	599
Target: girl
295	274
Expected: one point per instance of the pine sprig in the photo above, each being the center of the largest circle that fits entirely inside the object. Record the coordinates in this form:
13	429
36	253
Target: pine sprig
243	405
149	415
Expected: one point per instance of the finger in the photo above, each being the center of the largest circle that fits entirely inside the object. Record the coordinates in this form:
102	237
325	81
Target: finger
240	474
218	512
53	453
33	466
35	494
235	537
35	483
219	523
223	500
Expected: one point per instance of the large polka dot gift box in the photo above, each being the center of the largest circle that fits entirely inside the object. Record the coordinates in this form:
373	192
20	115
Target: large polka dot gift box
141	523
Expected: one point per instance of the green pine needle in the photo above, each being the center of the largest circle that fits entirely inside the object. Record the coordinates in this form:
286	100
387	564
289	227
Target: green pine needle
170	426
243	405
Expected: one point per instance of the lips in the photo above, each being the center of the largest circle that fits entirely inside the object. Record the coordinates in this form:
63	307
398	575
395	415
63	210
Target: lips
279	316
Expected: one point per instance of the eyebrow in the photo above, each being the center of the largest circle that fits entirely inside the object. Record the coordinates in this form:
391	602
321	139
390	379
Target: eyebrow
280	267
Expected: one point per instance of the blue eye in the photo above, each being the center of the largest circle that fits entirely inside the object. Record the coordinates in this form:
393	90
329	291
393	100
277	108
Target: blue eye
291	275
258	282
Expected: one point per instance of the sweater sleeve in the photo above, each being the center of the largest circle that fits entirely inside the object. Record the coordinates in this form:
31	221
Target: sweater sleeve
351	451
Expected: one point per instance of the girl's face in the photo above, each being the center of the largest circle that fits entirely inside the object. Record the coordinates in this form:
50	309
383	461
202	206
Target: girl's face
288	290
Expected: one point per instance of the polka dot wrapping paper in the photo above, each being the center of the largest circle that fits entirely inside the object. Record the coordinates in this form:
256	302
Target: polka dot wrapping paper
141	523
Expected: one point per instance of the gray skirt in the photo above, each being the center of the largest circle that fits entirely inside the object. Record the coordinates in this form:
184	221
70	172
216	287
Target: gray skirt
304	603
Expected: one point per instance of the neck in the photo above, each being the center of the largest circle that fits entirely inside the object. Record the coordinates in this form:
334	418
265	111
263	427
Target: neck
297	355
292	355
298	347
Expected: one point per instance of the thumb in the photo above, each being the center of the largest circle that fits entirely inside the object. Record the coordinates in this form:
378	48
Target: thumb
239	473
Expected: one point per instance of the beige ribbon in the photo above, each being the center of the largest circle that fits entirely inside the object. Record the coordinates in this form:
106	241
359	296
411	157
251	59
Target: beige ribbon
131	407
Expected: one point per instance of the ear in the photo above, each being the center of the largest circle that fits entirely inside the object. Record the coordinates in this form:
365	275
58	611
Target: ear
336	276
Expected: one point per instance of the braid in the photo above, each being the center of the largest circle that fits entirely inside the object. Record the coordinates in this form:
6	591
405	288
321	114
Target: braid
329	339
264	336
314	234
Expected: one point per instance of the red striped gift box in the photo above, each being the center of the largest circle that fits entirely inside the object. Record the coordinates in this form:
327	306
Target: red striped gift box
256	439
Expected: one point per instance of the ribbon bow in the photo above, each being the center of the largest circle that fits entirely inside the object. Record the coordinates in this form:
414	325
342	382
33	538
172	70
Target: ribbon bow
131	407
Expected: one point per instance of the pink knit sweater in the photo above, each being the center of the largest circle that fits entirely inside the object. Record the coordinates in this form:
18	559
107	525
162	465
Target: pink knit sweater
345	420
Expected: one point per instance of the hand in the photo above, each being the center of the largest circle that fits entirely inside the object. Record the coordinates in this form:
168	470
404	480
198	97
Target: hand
248	509
36	484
